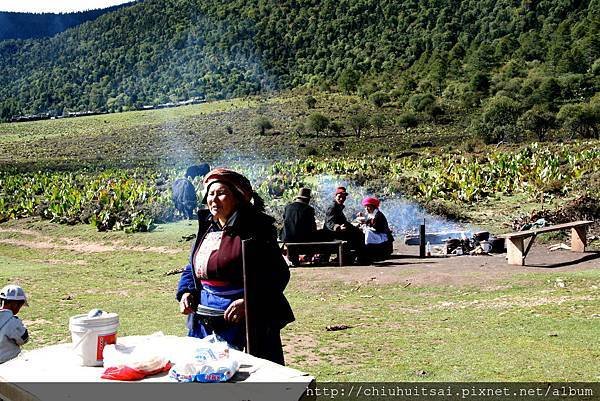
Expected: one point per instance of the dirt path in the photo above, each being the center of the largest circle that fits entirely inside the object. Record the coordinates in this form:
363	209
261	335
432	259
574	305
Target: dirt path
407	268
39	241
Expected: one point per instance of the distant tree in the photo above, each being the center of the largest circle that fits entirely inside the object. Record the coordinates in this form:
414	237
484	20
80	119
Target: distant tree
310	101
595	69
379	98
408	119
358	120
548	92
367	88
263	124
537	120
421	102
348	81
378	122
497	120
581	118
480	82
317	122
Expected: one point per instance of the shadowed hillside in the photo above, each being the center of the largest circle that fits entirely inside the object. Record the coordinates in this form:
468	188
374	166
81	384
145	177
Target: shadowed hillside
18	25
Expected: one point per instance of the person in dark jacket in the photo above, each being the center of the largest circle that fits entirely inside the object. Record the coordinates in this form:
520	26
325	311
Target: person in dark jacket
339	227
299	219
211	287
299	225
379	242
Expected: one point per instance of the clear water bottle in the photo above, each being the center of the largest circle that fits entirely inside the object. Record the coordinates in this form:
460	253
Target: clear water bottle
428	249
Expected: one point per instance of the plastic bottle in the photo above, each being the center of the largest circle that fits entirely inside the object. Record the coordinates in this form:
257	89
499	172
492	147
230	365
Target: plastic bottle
428	249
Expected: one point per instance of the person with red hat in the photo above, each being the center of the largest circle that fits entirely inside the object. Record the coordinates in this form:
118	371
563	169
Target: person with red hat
339	227
379	242
211	288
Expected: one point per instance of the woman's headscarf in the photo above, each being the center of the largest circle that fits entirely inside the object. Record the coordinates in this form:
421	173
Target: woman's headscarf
371	200
238	184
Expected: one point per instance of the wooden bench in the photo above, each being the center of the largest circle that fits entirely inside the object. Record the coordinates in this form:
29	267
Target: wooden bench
318	247
516	251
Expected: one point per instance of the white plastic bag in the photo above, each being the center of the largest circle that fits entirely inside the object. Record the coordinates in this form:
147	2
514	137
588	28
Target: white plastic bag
135	362
207	362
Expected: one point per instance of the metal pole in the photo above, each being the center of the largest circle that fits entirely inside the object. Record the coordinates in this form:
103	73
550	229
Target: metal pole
422	240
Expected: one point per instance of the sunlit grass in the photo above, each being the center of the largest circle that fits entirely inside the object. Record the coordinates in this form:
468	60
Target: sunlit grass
522	328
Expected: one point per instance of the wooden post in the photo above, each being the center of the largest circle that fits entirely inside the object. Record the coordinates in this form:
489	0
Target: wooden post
340	251
514	251
249	277
578	238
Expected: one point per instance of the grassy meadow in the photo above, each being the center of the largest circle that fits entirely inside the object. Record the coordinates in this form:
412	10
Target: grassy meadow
523	326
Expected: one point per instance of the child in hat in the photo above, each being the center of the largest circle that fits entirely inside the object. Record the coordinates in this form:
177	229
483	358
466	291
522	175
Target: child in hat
13	333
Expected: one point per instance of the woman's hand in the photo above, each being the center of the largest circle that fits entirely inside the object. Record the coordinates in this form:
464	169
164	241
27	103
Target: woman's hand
235	312
187	303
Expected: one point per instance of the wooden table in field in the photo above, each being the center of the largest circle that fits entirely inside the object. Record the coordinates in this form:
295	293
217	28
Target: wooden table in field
53	374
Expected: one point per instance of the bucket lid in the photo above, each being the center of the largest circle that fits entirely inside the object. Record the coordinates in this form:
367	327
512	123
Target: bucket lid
105	319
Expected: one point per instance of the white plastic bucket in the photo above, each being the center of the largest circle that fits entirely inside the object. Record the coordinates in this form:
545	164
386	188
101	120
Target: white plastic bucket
91	334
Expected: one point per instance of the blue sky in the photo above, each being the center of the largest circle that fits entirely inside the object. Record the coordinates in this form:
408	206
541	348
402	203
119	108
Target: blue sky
38	6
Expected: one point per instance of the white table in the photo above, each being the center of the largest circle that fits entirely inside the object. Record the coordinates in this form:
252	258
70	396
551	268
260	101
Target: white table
53	374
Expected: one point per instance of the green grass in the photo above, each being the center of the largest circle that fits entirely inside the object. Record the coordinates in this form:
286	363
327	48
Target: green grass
105	123
469	335
525	328
189	134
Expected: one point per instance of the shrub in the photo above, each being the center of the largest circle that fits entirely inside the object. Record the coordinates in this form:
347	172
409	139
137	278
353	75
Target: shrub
446	209
421	102
336	128
379	99
263	124
408	119
299	128
310	101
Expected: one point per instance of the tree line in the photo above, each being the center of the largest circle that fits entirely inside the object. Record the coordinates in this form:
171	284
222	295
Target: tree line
505	63
20	25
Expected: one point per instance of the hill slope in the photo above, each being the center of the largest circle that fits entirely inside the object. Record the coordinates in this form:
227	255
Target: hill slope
156	51
17	25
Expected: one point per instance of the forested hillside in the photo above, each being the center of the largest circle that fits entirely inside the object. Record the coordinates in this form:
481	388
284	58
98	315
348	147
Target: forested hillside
503	57
17	25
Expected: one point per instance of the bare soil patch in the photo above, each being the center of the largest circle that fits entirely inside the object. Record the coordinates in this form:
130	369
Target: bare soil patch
407	269
40	241
301	347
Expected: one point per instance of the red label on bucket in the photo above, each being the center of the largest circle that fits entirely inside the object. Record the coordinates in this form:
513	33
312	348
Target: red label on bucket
104	341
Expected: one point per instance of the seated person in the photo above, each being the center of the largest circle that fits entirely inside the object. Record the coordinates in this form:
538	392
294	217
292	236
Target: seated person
299	224
338	226
13	333
379	242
